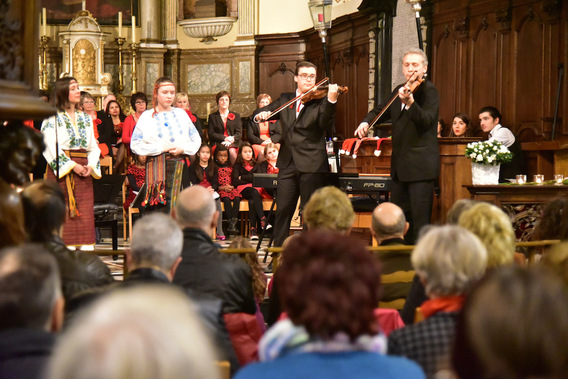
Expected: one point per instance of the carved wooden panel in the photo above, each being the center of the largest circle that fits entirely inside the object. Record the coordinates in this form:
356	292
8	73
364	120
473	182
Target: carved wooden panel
505	54
19	84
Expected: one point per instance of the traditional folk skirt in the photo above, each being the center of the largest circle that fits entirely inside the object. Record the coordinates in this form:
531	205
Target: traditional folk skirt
79	227
166	176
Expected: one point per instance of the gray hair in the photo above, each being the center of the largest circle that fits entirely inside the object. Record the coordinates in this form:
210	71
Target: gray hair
29	287
156	240
417	51
450	259
159	336
460	206
197	209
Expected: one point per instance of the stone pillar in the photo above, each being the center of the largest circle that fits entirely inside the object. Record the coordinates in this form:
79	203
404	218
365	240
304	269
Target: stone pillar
150	23
246	22
169	22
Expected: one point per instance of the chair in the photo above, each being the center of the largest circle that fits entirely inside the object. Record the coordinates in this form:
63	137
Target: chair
224	368
131	210
106	163
105	191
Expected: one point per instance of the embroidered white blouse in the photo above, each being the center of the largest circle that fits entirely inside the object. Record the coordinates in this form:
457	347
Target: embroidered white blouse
71	137
153	133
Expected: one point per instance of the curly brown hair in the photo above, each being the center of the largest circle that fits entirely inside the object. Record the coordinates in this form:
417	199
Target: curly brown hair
258	277
329	283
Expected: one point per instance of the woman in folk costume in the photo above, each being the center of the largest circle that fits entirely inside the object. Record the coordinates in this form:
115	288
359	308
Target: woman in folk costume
72	153
166	136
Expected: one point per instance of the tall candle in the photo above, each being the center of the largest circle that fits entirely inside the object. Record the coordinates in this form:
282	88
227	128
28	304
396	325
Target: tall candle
44	21
133	29
208	109
119	24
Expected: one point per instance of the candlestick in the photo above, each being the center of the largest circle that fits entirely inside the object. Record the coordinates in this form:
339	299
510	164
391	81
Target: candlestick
133	29
44	21
208	109
120	41
43	41
134	47
119	24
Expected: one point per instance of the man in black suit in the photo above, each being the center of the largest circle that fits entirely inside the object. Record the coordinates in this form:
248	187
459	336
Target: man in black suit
302	161
415	162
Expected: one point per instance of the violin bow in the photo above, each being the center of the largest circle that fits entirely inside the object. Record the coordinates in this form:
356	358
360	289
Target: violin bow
282	107
391	101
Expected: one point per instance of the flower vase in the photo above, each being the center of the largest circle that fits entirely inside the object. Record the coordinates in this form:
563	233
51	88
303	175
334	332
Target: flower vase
484	174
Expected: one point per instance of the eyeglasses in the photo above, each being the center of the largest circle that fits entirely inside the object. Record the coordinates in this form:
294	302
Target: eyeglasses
140	102
307	77
88	102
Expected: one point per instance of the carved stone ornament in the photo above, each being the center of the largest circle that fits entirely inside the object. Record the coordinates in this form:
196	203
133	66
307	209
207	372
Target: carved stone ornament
11	60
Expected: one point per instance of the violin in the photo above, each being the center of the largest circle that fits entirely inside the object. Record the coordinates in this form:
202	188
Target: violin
316	92
411	84
321	92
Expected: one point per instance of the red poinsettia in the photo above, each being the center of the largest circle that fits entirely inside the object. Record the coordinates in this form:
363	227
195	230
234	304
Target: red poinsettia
97	122
192	116
231	116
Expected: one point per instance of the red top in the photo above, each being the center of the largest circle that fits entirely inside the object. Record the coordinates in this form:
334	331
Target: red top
128	129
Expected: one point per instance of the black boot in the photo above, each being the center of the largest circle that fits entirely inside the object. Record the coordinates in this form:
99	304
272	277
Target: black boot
232	226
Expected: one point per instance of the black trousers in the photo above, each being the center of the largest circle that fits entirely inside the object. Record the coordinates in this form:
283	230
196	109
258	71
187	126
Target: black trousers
255	205
415	199
292	184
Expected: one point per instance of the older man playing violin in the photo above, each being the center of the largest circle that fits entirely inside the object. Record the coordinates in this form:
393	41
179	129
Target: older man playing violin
415	161
302	161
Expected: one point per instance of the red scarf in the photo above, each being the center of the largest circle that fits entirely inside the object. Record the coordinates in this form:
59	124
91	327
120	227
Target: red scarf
452	303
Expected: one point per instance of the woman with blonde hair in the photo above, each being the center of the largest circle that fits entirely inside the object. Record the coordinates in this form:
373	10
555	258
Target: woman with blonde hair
494	229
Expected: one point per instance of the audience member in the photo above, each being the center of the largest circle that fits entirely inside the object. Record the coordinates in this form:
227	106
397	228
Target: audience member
553	223
259	134
449	260
330	286
20	147
205	270
493	227
456	210
417	294
514	325
490	122
225	127
182	101
153	258
461	126
259	279
31	309
139	103
388	227
142	332
45	212
329	209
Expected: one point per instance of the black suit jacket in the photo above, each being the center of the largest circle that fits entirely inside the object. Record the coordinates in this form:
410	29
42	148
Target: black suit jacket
302	139
217	129
253	131
415	154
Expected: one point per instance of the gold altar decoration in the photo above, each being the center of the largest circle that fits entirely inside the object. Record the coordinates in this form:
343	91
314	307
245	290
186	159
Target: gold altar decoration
83	54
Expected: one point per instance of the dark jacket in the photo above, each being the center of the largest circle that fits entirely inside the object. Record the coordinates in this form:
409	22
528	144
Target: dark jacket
210	310
302	139
213	180
24	353
207	271
106	129
415	154
79	270
217	129
253	131
241	175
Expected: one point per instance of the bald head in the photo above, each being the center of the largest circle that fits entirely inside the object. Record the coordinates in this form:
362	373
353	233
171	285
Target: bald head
388	222
195	207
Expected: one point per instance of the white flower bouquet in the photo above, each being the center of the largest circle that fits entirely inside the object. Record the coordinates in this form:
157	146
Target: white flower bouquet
488	153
